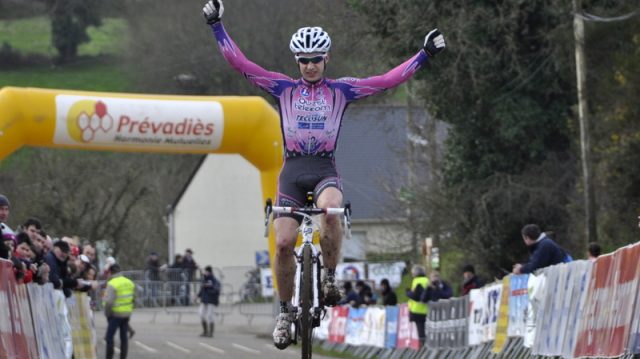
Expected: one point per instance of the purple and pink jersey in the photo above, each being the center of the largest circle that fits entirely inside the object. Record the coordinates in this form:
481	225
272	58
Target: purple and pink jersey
311	113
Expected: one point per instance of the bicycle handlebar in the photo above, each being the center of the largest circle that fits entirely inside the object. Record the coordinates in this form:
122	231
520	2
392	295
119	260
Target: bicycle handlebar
308	211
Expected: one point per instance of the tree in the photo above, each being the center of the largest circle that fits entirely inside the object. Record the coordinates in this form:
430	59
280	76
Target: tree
69	22
98	196
505	87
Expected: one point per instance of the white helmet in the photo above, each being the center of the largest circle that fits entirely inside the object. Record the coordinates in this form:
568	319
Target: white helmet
309	40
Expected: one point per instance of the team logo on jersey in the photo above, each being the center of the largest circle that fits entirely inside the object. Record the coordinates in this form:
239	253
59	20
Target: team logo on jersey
304	91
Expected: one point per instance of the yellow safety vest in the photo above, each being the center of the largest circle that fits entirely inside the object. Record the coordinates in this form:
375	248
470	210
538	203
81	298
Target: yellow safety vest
416	306
124	294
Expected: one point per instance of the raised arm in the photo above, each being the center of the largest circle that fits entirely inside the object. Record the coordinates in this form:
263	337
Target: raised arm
356	88
269	81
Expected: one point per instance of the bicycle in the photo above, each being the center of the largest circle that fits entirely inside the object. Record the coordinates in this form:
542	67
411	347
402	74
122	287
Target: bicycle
307	306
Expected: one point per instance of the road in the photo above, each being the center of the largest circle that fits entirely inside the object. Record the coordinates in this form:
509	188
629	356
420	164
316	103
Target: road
159	336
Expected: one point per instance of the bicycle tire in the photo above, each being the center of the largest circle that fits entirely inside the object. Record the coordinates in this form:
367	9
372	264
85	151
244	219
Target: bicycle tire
306	296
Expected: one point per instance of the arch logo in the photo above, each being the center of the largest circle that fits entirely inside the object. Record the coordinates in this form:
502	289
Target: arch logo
136	122
86	117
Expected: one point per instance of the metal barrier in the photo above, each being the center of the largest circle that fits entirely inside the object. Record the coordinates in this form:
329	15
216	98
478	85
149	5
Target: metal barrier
172	292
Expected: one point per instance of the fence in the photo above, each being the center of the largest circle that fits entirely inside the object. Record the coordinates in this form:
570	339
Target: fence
38	322
575	310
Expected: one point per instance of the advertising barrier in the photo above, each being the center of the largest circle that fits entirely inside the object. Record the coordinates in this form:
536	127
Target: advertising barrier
503	317
407	331
391	319
338	324
605	326
518	301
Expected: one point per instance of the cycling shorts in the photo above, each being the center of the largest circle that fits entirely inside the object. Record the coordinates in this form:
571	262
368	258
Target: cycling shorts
300	175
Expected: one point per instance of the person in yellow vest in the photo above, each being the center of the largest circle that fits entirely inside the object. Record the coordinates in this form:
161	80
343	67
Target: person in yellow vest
417	309
118	306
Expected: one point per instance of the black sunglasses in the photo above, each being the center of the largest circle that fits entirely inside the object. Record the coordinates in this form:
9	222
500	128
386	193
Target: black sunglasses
314	60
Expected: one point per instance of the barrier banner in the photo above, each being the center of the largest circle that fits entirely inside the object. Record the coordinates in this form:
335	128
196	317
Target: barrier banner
266	281
322	332
82	326
391	271
15	312
338	324
434	324
581	274
536	285
549	316
23	309
461	339
503	317
476	305
350	271
407	331
605	328
391	319
355	326
374	324
518	300
50	342
7	344
634	339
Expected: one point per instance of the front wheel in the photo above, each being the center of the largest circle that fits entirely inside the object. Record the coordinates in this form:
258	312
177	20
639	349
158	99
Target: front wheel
306	298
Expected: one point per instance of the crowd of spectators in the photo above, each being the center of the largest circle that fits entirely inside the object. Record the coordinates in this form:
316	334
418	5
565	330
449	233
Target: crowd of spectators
38	258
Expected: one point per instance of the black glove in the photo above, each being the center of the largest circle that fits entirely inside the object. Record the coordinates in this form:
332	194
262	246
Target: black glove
213	11
434	43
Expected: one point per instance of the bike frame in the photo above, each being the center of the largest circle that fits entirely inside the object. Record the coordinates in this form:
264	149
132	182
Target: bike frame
307	228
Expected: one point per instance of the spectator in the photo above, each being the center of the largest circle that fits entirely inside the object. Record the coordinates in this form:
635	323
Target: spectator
437	289
209	295
31	227
470	279
189	266
153	267
389	297
9	240
594	251
350	296
89	251
4	213
175	277
365	294
83	263
417	309
544	251
24	254
57	260
152	273
48	243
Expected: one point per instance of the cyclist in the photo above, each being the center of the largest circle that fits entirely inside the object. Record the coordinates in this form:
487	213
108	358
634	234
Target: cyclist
311	110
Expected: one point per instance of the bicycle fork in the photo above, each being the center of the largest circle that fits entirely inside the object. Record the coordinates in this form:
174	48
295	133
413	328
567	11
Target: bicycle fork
315	275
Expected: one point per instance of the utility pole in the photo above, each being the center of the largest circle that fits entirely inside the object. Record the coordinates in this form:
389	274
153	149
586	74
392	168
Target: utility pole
585	146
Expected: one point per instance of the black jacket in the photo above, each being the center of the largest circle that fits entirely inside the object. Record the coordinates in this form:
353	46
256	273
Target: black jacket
210	290
59	274
544	253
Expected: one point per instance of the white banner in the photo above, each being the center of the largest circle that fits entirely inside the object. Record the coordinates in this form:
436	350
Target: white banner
391	271
581	273
266	282
536	294
374	327
476	305
138	123
492	294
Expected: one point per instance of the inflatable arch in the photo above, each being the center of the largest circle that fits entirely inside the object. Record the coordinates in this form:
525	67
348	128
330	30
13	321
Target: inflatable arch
248	126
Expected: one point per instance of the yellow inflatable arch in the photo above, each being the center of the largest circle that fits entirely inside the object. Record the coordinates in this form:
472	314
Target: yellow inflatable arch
248	126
